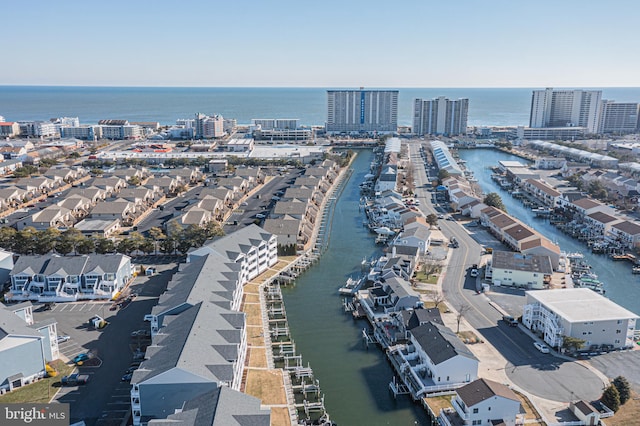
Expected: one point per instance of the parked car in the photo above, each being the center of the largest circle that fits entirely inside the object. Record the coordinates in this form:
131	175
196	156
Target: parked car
141	333
131	370
81	358
62	339
261	216
541	347
127	377
511	321
74	380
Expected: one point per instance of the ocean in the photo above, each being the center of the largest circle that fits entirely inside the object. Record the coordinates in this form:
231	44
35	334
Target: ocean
487	106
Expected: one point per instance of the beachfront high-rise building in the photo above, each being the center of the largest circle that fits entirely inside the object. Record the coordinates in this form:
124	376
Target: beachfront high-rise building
209	126
440	116
618	117
566	108
362	111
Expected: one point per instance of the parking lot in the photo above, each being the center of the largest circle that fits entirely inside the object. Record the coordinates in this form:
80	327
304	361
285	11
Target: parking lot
105	399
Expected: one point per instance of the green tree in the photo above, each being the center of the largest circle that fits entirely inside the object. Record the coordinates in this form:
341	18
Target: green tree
24	241
168	245
7	237
611	398
25	171
432	219
134	181
494	200
104	245
73	237
156	235
86	246
46	240
125	246
148	246
623	387
572	344
137	240
597	190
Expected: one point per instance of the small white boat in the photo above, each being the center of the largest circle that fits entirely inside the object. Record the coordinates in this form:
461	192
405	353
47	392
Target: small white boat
351	286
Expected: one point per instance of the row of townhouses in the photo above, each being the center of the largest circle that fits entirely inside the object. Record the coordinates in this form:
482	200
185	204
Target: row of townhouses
199	340
294	215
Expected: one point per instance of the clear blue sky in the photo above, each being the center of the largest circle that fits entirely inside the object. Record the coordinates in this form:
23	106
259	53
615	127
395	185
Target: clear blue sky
328	43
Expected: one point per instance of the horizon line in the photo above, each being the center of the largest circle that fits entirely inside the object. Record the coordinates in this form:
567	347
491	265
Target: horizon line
314	87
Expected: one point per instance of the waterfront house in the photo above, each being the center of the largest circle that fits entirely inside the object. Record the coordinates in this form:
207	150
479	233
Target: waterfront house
312	182
387	179
295	208
52	216
520	270
289	231
542	191
473	208
252	247
221	406
392	294
433	360
586	206
483	402
415	234
53	278
200	349
580	313
395	328
303	193
600	223
626	233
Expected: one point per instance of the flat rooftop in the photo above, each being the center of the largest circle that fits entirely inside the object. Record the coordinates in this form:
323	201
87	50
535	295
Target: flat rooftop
580	304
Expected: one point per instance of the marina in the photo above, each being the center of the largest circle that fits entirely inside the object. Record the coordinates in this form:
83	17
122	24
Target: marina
624	291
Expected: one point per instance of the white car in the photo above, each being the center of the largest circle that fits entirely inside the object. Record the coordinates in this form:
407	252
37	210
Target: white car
62	339
541	347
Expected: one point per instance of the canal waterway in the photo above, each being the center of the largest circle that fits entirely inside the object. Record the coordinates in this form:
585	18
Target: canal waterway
353	378
620	285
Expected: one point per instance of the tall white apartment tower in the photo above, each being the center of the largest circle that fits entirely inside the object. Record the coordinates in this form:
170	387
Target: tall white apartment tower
209	127
619	117
440	116
566	108
362	111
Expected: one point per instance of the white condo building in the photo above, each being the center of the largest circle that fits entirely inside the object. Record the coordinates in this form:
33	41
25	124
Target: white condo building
362	111
581	313
440	116
618	117
566	108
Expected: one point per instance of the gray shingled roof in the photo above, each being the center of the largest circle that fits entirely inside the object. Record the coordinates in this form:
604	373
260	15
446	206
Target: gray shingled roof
440	343
482	389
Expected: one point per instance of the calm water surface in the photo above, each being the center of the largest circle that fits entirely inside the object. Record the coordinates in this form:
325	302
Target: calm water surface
355	380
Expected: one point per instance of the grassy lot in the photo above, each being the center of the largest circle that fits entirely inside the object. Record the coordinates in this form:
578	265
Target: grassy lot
41	391
257	357
469	337
427	278
280	416
267	385
531	416
628	414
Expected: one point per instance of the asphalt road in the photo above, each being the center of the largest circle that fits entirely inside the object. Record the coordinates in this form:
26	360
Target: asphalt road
544	375
105	397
